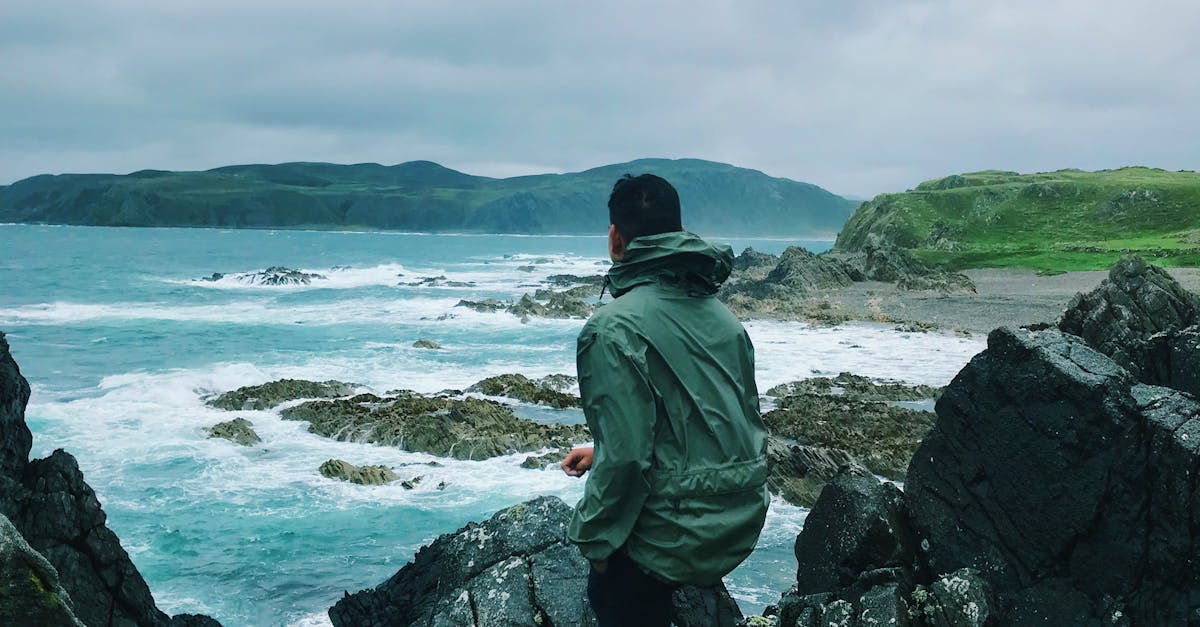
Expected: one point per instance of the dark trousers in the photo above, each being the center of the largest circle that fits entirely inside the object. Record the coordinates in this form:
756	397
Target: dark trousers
625	596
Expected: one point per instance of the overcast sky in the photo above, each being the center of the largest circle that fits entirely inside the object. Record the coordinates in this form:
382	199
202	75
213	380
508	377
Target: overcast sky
859	97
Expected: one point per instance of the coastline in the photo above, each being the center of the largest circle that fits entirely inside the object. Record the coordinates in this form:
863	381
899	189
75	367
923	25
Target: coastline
1004	297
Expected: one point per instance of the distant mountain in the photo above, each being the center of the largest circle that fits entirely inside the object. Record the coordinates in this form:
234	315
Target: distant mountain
1064	220
419	196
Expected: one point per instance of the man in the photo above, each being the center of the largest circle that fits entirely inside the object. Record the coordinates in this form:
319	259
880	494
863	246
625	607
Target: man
676	493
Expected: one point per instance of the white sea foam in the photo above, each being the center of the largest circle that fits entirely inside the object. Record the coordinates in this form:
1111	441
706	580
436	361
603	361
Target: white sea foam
788	351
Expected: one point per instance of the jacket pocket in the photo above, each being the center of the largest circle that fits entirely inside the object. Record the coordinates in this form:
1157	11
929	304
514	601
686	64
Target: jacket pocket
710	481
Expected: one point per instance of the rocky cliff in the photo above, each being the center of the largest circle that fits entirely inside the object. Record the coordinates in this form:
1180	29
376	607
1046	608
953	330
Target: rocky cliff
1058	485
84	572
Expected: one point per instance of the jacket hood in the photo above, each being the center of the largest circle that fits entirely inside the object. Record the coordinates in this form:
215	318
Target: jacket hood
678	258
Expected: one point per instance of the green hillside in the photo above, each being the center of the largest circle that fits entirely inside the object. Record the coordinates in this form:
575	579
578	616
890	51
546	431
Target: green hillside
418	196
1053	221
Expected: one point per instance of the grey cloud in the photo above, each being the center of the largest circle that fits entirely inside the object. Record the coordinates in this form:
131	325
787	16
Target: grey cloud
860	97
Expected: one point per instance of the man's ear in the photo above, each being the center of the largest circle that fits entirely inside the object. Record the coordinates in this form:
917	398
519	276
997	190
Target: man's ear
616	245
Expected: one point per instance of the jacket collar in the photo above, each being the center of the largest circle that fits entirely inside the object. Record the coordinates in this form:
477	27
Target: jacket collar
679	258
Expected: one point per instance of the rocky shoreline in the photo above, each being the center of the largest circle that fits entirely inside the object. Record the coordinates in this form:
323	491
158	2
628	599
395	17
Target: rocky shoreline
1055	484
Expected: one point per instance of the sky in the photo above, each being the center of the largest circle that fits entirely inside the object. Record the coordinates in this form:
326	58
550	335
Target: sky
857	96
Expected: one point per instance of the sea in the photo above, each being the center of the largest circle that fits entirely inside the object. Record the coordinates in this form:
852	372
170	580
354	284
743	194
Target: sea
123	336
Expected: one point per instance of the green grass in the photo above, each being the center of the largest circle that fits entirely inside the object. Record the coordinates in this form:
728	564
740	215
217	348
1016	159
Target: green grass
1055	221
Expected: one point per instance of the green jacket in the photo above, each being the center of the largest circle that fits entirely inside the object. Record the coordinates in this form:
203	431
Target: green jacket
666	373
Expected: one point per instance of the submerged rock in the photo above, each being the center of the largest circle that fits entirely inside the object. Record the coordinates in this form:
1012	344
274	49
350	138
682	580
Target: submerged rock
362	475
427	344
522	388
238	431
268	395
539	462
855	387
515	568
798	473
488	305
879	435
467	428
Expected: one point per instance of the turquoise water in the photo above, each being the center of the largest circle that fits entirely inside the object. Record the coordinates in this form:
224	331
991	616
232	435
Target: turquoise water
122	342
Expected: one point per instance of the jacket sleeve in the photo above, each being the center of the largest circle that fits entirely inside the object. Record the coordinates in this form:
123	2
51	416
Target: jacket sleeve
618	403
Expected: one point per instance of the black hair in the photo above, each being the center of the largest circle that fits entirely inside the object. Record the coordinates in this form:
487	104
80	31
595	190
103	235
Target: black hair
643	205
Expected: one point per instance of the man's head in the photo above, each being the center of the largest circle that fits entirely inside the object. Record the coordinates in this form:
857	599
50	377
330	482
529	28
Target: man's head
640	205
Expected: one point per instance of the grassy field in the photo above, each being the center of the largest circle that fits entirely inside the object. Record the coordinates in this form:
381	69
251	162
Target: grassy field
1053	221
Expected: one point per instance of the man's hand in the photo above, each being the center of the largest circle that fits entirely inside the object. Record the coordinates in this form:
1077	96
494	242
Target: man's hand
578	461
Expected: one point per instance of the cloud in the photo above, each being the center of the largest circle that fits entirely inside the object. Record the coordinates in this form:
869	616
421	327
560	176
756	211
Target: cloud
859	97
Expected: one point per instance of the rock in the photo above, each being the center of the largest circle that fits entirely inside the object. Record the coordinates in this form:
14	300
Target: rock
570	280
193	620
551	304
362	475
798	473
1135	303
216	276
15	438
238	431
558	382
858	525
409	484
57	513
489	305
468	428
522	388
960	598
1058	476
429	344
31	592
750	259
855	387
881	436
267	395
539	462
941	282
516	568
278	275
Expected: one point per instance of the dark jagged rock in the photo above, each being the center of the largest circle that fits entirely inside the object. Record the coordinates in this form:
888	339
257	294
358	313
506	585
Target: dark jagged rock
271	394
362	475
62	519
15	438
855	387
278	275
238	431
858	526
558	382
800	271
798	473
467	428
522	388
1054	489
1135	303
57	513
881	436
1052	468
515	568
29	590
571	303
427	344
